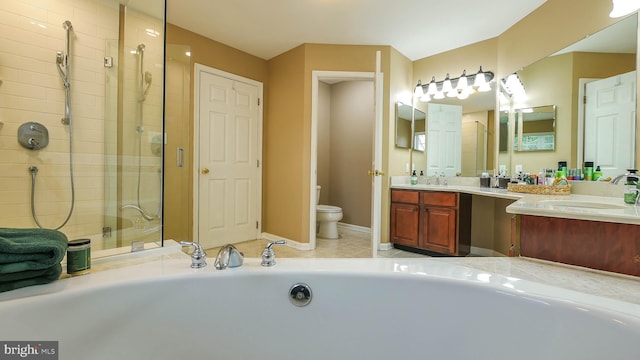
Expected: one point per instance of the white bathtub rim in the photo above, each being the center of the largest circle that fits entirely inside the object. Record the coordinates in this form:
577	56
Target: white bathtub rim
171	268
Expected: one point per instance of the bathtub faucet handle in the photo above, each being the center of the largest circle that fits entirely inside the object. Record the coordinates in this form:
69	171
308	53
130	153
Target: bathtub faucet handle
268	255
198	257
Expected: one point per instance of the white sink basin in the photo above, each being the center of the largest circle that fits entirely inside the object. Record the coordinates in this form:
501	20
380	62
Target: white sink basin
582	206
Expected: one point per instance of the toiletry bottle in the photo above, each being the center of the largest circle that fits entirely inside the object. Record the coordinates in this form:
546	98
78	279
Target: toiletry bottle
421	178
588	170
631	187
414	178
597	174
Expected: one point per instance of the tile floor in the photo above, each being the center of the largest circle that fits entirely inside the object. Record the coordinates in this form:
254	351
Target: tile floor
352	244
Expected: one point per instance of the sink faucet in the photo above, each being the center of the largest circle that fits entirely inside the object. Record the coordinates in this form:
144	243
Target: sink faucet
444	178
198	257
617	179
268	255
228	256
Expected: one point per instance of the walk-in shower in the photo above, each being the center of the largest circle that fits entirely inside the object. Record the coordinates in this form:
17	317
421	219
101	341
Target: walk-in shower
63	64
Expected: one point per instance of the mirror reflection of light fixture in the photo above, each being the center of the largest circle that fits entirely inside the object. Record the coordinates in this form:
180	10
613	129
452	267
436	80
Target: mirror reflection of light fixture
461	87
514	87
624	7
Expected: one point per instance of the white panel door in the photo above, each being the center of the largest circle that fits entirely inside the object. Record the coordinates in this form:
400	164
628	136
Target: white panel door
609	130
228	161
444	139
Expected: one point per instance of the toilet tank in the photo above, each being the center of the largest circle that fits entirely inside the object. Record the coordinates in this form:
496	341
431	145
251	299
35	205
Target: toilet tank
318	194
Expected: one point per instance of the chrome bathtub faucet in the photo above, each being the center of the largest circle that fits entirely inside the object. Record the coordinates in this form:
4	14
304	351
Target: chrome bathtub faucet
228	257
268	255
198	257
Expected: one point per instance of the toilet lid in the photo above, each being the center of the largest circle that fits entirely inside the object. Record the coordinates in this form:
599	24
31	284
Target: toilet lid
328	208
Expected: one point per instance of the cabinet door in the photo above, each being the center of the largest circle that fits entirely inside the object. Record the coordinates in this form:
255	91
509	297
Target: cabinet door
438	226
404	224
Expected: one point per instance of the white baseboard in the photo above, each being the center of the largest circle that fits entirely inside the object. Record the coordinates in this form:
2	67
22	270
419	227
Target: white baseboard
290	243
385	246
358	228
485	252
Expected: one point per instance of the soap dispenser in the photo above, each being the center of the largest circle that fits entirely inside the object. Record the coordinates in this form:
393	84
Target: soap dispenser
414	178
631	187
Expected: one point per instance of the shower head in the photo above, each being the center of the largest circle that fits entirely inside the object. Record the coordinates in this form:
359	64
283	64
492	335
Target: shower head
147	78
141	48
67	25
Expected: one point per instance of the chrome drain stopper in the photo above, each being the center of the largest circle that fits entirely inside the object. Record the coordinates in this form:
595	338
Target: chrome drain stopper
300	294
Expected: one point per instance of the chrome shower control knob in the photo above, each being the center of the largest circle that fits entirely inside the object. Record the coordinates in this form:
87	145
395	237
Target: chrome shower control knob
300	294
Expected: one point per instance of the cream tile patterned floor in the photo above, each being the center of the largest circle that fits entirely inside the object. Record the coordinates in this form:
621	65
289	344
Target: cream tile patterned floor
352	244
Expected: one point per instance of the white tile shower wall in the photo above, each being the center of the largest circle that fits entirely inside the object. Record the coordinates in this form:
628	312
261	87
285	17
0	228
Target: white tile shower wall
31	33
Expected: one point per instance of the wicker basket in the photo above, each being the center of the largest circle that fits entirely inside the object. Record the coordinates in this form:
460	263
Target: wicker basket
540	189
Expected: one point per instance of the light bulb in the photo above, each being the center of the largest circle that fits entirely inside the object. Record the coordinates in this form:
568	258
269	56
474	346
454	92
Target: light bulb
446	85
452	93
462	81
418	92
425	98
480	79
624	7
484	88
433	87
439	95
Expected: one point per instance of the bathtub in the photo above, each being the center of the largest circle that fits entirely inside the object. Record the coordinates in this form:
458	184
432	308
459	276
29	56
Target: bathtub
360	309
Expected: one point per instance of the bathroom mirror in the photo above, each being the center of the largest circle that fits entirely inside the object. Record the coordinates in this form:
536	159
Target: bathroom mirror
535	128
561	79
404	133
477	113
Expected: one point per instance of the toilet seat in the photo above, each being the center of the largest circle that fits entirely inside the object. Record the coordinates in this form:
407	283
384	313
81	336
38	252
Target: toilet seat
328	209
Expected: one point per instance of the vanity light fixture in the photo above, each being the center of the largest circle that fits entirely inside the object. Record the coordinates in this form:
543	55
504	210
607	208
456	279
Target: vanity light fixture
624	7
460	87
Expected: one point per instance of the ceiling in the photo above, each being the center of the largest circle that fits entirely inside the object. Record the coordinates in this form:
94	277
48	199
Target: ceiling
416	28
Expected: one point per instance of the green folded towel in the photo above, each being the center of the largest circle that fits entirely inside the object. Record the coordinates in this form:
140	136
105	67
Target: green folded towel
30	249
31	277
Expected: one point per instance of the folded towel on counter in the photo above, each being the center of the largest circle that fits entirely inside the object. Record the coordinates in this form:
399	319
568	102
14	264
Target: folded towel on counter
30	249
32	277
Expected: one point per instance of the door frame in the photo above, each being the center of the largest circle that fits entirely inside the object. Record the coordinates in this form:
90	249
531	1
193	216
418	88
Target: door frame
316	77
198	69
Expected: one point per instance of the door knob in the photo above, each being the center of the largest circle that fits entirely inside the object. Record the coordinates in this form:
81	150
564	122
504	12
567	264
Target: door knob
375	173
205	171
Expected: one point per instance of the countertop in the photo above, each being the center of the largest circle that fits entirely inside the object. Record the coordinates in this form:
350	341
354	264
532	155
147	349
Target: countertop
572	206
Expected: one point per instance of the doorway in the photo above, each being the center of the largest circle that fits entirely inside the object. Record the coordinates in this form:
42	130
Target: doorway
228	151
342	165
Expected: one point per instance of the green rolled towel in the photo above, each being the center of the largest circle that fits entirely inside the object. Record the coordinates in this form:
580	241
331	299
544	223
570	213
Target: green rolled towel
27	278
30	249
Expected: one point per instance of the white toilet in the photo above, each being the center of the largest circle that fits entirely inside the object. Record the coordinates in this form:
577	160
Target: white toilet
327	216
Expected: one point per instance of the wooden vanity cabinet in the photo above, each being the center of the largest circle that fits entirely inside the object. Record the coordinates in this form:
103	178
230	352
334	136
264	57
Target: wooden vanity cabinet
432	221
405	214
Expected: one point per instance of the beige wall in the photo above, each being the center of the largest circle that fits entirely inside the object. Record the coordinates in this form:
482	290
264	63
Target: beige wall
216	55
324	141
352	121
288	129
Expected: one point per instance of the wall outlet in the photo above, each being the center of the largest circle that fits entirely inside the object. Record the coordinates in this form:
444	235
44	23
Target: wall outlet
519	168
406	168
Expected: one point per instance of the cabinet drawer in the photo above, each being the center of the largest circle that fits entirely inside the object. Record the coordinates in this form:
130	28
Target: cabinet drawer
438	198
405	196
